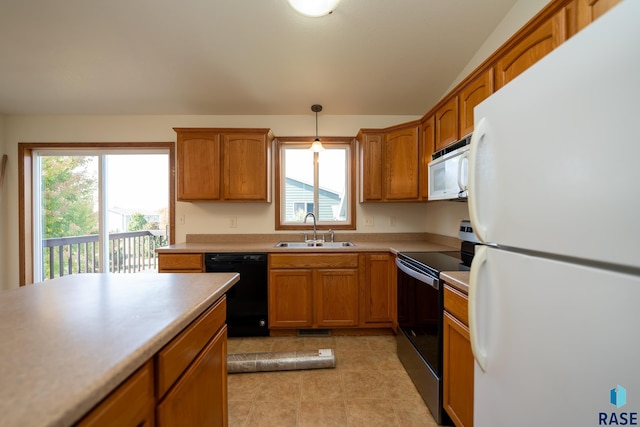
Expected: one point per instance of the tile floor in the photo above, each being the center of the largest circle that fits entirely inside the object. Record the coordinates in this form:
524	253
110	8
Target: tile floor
368	387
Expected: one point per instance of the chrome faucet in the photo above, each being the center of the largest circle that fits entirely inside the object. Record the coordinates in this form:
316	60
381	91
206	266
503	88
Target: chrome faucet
315	234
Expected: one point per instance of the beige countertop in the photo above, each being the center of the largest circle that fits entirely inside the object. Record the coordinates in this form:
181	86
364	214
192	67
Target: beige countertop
384	242
457	279
67	343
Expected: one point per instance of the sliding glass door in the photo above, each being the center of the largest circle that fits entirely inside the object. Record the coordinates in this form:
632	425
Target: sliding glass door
98	210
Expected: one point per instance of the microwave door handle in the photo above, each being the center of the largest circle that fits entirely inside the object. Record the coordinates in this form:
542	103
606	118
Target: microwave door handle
464	157
431	281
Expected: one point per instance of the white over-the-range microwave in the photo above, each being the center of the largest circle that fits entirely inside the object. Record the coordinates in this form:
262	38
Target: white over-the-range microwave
448	172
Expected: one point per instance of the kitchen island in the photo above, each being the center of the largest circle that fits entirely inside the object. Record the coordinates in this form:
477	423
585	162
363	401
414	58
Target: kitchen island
67	343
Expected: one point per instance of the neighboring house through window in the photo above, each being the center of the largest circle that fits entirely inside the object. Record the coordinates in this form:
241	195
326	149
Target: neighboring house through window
319	183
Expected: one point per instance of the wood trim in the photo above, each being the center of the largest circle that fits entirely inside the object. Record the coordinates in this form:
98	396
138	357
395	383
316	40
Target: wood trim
282	141
266	131
25	190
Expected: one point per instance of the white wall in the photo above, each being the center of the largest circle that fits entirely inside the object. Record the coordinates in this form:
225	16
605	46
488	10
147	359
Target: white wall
4	209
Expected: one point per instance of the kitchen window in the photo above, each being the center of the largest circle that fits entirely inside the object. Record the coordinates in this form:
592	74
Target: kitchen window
321	183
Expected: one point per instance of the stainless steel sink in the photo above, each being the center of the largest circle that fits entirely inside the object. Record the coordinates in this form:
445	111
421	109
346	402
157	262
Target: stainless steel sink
313	244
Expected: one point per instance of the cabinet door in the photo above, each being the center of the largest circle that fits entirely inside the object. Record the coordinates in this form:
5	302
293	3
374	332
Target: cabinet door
246	167
458	372
371	166
546	37
290	298
590	10
447	124
336	297
130	405
474	93
427	144
402	165
199	397
198	155
378	289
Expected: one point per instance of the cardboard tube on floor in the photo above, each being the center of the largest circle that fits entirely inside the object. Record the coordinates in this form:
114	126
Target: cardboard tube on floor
281	361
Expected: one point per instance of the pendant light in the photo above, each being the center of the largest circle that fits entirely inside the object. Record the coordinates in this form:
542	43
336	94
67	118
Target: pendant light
314	8
317	145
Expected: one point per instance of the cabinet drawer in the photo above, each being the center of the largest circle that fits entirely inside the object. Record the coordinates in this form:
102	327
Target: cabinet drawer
131	404
180	262
456	303
176	356
205	382
337	260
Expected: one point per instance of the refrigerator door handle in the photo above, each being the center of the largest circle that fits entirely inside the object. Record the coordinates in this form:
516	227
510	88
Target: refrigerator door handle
479	258
476	139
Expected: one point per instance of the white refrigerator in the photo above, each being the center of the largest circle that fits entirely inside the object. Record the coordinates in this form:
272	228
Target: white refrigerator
554	191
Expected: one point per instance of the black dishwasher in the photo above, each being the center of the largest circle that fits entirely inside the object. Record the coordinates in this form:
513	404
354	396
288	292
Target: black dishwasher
247	300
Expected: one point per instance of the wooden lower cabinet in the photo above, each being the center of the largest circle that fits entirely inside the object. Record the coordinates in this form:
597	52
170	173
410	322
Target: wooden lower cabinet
132	404
199	397
290	298
336	297
377	275
184	384
313	290
458	359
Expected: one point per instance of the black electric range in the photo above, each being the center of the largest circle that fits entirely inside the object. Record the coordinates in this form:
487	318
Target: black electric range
434	262
420	324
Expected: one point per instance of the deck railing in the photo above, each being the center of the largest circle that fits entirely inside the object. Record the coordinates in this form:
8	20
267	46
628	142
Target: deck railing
129	252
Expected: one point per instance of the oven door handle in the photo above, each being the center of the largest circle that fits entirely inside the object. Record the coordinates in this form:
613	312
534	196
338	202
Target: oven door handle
429	280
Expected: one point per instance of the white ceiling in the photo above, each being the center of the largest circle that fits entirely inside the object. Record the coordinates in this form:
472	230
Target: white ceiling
240	57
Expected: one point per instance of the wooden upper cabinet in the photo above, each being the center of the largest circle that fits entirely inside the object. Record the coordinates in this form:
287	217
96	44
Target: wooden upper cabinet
533	47
471	95
389	164
224	164
427	144
446	122
247	169
590	10
198	155
401	164
371	146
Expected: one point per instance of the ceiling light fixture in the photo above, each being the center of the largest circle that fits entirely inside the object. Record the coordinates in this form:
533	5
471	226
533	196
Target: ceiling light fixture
317	145
314	8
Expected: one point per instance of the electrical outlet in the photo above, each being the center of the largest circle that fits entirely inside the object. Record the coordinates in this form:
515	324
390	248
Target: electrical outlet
392	221
181	219
368	221
233	222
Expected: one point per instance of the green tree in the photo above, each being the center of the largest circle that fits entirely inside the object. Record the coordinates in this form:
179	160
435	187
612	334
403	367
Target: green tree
69	187
138	222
